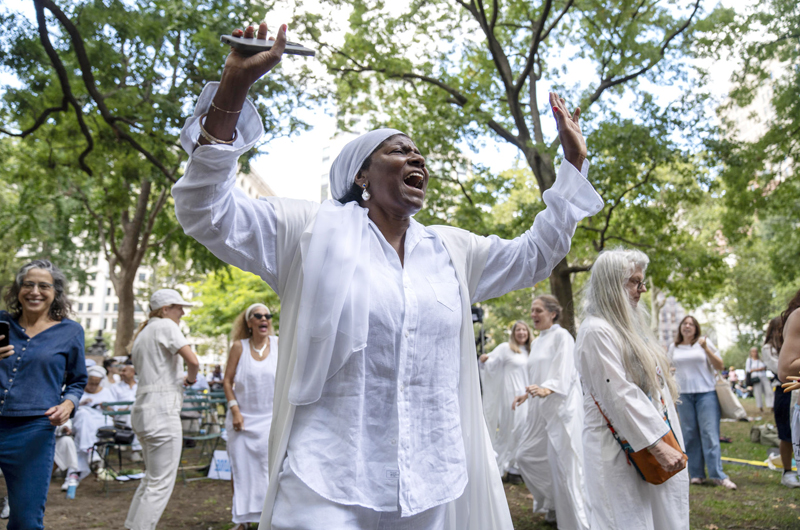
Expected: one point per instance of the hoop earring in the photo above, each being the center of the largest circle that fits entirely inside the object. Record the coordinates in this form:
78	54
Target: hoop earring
365	194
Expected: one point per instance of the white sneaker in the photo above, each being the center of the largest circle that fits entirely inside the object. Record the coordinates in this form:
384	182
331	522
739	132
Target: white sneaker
790	479
725	483
6	511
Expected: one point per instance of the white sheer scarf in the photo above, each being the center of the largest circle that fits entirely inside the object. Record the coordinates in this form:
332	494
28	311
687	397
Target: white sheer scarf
333	317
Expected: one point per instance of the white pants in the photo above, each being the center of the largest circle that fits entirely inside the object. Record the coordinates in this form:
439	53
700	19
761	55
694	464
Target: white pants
157	424
298	507
66	456
763	390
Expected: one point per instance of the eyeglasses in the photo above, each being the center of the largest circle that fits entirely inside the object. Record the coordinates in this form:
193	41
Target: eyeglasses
640	286
259	316
44	287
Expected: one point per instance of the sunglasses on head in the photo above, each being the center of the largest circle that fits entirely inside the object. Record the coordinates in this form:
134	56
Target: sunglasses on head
259	316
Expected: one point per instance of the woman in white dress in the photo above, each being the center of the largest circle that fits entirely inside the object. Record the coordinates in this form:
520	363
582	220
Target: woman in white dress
550	452
249	385
624	368
757	372
88	418
507	365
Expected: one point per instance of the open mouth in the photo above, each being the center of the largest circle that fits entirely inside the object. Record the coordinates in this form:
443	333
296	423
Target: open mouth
415	180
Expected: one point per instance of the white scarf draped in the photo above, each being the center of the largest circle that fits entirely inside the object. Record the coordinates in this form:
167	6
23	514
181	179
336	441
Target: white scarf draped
333	317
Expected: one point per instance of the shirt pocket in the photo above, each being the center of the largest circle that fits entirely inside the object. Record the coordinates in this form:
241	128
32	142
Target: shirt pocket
445	287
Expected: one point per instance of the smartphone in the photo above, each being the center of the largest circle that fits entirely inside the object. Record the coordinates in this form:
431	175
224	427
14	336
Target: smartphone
5	329
254	46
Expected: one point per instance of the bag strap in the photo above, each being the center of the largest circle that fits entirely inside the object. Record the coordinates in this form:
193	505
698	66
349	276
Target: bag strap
626	447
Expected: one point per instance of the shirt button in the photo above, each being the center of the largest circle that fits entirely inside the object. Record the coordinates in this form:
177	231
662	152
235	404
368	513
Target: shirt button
394	442
11	380
29	340
407	333
23	349
5	391
14	370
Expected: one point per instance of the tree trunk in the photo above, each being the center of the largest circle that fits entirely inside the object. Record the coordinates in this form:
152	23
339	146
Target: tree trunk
561	287
123	286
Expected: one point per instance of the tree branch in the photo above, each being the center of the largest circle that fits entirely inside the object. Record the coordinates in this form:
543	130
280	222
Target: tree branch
40	120
89	82
534	49
610	82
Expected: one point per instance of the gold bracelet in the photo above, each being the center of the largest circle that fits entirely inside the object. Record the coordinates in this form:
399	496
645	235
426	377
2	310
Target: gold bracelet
225	111
205	134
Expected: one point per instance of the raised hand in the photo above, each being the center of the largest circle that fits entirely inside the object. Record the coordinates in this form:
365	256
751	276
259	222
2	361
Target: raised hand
569	131
246	70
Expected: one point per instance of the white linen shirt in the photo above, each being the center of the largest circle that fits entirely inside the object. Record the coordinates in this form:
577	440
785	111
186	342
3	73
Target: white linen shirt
693	371
386	432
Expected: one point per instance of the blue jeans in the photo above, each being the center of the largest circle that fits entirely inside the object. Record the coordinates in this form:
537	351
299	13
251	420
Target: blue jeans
27	446
700	416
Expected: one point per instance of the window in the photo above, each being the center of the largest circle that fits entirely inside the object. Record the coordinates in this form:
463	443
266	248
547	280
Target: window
105	323
91	291
114	324
106	307
89	307
108	292
137	307
116	307
88	323
94	262
80	306
142	276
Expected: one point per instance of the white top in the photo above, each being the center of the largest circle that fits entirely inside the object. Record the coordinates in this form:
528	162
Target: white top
752	364
637	419
154	356
551	364
268	237
770	357
102	396
106	383
124	392
693	371
254	382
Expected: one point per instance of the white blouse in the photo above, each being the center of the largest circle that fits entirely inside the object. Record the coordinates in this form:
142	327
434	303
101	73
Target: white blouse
386	432
693	371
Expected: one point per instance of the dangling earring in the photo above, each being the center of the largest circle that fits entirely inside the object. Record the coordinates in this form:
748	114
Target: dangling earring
365	194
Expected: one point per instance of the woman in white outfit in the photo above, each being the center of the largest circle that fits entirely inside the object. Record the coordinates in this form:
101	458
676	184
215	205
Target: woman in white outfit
88	418
550	452
624	368
377	419
507	364
249	385
159	349
755	368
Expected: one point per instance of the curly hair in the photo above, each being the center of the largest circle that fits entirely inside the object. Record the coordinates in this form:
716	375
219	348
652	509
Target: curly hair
60	308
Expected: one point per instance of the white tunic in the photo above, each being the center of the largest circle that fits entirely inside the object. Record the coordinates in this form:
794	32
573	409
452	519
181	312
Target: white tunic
248	449
269	237
550	450
512	367
89	417
618	496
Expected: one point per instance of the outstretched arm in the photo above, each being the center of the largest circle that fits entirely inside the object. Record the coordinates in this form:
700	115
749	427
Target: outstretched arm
528	259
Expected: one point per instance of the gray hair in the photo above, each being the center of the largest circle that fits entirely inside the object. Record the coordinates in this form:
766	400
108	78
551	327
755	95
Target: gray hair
61	306
605	297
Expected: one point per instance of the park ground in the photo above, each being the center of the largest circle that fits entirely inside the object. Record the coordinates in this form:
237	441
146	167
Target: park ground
760	503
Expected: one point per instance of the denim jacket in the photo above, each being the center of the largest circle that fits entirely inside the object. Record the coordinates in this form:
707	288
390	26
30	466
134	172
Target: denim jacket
44	370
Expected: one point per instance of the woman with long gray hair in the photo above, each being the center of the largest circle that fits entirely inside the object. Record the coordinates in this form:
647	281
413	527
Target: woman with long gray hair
626	378
42	377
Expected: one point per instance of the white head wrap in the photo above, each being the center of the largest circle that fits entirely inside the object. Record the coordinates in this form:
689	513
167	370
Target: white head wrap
96	371
249	312
333	317
345	167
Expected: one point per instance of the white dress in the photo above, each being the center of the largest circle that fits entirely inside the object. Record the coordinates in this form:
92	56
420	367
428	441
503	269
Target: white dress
550	450
503	361
618	497
89	417
248	449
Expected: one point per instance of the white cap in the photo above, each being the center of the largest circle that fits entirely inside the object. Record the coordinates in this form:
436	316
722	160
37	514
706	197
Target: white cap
165	297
